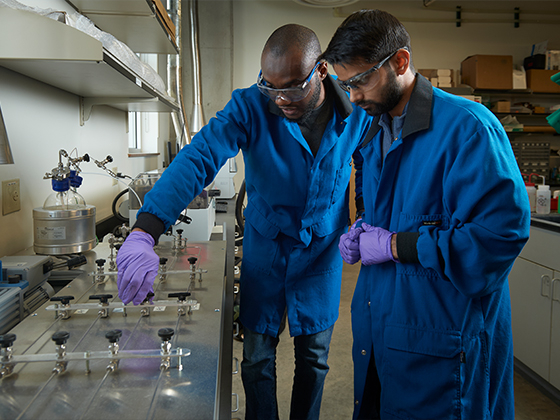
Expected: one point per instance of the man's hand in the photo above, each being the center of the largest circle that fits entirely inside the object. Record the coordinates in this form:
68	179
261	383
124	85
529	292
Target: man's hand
375	245
138	266
349	245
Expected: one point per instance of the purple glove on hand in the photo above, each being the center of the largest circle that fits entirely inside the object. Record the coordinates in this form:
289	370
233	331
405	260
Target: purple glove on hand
375	245
138	265
349	245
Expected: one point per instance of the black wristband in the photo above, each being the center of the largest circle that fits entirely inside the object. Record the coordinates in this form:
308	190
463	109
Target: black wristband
151	224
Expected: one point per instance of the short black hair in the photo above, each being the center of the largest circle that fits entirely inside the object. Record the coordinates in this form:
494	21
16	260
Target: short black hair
290	36
369	35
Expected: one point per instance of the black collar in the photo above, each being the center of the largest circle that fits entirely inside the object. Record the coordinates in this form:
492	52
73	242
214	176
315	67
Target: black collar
418	114
341	100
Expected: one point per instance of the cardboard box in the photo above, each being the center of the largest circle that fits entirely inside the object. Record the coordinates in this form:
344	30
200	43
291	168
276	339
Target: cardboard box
438	77
501	106
488	72
539	81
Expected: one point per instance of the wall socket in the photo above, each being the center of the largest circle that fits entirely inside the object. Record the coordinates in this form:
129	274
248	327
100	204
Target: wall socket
10	196
115	170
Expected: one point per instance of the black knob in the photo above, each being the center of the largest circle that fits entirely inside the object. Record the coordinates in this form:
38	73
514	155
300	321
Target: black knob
100	262
148	297
60	337
165	333
64	299
118	246
113	336
102	298
86	158
181	295
109	158
7	340
180	231
162	260
192	260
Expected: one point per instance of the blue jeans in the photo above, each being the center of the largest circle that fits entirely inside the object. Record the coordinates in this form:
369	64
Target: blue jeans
258	372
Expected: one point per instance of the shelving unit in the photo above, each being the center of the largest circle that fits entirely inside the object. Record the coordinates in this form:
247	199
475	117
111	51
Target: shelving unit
66	58
134	22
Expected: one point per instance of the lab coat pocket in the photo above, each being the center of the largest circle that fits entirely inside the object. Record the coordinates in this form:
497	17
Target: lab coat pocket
260	246
341	182
421	373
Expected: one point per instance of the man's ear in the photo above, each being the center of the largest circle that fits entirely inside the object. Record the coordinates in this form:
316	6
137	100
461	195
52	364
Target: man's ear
323	70
403	61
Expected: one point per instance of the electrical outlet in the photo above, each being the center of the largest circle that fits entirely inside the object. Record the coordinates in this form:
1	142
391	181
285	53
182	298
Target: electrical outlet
115	170
10	196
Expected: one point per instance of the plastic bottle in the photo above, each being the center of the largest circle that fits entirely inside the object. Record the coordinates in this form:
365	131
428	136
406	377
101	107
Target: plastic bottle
543	199
532	193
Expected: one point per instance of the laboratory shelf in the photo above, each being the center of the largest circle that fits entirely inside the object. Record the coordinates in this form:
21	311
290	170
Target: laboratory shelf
66	58
134	22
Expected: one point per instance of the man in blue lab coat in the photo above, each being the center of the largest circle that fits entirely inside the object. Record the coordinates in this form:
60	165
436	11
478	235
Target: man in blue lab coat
446	214
297	131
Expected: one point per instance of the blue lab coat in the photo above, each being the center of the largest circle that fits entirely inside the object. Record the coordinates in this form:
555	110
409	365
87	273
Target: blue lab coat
440	330
297	204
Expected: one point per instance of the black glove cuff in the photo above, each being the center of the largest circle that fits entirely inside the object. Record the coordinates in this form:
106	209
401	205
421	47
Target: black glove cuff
151	224
406	247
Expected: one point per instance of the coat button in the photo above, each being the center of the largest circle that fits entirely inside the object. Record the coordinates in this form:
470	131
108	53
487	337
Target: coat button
363	352
356	402
369	304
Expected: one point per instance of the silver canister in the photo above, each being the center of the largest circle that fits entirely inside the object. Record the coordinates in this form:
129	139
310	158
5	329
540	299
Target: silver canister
58	232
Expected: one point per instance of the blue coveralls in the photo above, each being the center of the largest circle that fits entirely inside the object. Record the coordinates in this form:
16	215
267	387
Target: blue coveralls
440	331
297	205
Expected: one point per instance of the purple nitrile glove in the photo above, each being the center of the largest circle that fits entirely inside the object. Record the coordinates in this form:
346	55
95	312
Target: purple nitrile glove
375	245
349	245
138	265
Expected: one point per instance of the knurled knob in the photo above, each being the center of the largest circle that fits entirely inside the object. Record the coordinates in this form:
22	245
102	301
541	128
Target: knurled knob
165	333
60	337
7	340
113	336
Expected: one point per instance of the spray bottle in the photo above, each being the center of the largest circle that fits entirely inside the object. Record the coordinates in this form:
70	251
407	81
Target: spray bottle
543	198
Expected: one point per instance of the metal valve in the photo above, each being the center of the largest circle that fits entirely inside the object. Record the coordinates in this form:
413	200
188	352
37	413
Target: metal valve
113	336
165	334
60	338
146	311
65	301
6	344
162	268
99	277
181	297
103	301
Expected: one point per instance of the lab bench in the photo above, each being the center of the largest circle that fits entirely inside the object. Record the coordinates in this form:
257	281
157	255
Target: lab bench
148	380
535	298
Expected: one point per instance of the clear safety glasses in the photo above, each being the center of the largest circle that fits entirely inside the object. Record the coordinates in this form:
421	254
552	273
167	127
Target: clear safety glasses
292	94
368	79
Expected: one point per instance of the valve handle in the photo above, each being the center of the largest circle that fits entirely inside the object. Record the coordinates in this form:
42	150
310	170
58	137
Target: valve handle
192	260
100	262
165	333
60	337
7	340
113	336
163	260
64	299
181	295
180	231
103	298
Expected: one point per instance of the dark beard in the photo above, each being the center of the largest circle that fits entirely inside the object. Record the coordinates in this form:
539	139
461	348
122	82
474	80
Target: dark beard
310	107
392	95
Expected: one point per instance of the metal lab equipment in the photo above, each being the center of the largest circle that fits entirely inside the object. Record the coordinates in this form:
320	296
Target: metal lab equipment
65	224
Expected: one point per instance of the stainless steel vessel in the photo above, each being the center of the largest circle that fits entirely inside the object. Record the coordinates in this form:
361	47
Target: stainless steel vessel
58	232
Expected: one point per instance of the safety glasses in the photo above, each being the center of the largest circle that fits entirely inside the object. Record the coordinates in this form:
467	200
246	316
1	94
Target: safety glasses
292	94
368	79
